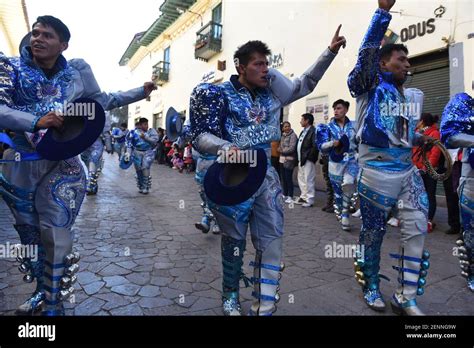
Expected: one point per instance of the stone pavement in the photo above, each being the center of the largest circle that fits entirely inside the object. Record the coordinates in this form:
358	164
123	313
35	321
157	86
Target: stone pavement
141	255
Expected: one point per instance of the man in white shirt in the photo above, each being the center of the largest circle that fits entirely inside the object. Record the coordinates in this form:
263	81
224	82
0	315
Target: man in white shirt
307	156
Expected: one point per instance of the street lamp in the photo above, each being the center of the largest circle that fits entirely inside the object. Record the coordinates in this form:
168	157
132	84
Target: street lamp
181	11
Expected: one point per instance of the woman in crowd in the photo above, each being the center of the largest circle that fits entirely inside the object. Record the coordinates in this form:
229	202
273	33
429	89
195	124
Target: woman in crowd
287	151
427	126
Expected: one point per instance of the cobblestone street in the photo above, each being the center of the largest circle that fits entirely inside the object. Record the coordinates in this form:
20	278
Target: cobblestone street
141	255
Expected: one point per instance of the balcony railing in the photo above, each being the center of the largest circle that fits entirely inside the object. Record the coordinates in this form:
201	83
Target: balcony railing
208	41
161	72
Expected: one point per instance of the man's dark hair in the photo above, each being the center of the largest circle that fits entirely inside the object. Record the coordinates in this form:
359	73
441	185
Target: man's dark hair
344	103
309	118
59	27
142	120
386	50
244	52
124	125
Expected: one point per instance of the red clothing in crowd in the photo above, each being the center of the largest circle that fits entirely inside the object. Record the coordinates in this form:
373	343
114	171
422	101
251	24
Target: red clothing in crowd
433	155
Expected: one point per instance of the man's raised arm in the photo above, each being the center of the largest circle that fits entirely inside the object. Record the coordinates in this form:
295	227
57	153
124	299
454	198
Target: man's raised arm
362	77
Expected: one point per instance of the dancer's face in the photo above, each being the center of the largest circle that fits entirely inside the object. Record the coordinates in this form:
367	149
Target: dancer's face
340	112
398	65
255	72
46	44
144	126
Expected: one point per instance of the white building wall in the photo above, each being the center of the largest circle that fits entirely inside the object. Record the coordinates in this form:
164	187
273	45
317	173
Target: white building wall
4	44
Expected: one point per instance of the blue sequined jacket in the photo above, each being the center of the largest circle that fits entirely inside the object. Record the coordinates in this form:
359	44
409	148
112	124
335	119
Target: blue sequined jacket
119	135
385	118
325	137
225	115
27	94
148	142
327	134
457	129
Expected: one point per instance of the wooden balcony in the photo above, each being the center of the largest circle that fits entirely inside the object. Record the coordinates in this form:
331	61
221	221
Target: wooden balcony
208	41
161	73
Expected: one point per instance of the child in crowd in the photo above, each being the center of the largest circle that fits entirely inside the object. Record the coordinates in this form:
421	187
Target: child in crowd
188	158
176	158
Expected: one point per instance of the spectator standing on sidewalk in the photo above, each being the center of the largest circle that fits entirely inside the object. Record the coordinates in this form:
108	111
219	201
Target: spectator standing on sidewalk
307	156
287	160
160	146
427	126
324	161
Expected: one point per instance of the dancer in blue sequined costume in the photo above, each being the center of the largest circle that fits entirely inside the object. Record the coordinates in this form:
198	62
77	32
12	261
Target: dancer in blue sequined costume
45	196
140	149
208	221
386	117
119	135
457	131
93	157
342	174
243	113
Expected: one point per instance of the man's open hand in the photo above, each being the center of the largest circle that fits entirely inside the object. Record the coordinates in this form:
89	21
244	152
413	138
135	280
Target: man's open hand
386	4
337	41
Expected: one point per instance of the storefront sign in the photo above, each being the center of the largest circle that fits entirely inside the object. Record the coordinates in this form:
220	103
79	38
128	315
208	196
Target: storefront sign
417	30
209	76
275	60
